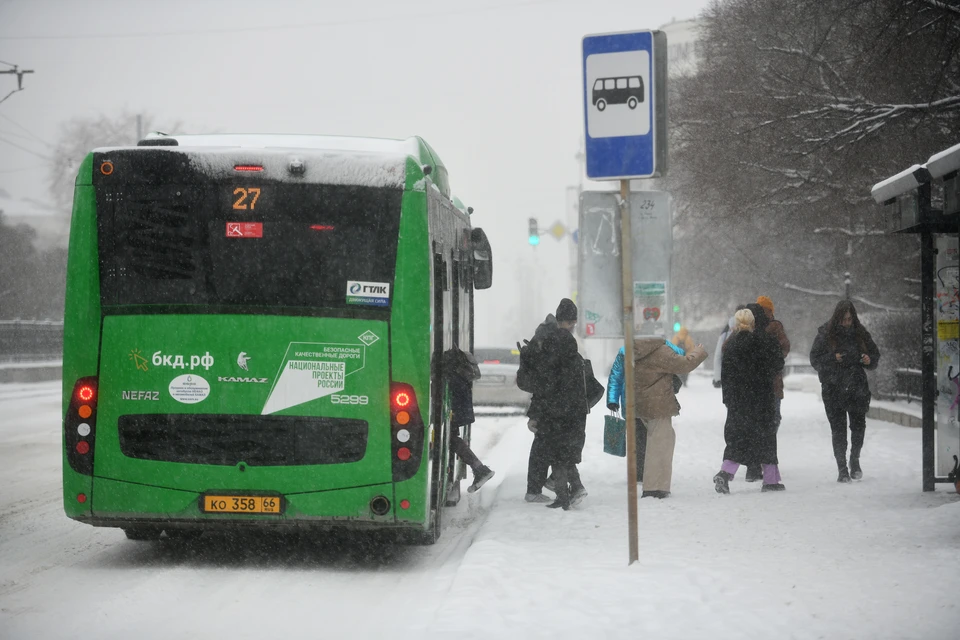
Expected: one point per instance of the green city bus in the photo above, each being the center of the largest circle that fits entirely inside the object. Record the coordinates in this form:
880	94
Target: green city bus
253	332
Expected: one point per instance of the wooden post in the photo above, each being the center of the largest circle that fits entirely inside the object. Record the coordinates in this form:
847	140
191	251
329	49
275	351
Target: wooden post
626	258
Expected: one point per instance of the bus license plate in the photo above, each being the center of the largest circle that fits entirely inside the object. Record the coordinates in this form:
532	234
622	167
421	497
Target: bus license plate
241	504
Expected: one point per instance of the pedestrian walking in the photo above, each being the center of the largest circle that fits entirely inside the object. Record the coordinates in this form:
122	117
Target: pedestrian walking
558	410
655	365
842	352
616	401
775	329
765	322
751	358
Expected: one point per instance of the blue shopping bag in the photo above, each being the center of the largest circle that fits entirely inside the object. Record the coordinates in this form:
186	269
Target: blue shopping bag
614	436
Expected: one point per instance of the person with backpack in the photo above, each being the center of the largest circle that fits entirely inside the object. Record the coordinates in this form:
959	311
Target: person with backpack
552	369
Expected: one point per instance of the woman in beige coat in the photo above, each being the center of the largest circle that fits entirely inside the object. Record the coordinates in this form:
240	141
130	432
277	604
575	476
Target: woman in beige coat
655	364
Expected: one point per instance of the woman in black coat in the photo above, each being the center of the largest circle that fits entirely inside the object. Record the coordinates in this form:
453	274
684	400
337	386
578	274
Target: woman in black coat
841	352
751	358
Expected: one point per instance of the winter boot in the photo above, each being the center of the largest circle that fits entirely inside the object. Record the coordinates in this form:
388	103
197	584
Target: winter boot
536	497
855	472
577	494
480	477
754	473
655	494
564	497
772	487
844	475
721	481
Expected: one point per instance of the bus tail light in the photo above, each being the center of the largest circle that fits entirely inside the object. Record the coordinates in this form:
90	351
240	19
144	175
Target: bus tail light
406	431
80	426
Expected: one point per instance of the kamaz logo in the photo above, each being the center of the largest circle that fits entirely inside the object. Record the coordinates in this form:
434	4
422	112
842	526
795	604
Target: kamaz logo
232	379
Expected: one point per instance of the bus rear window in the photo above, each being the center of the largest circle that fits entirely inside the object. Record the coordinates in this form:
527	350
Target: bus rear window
247	243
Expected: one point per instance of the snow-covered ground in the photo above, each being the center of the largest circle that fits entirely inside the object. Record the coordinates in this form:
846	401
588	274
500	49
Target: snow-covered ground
876	559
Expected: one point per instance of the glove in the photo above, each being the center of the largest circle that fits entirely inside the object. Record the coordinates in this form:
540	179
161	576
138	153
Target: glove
613	406
716	384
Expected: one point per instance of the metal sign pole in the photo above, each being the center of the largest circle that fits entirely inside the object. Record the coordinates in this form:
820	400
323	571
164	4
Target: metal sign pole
626	244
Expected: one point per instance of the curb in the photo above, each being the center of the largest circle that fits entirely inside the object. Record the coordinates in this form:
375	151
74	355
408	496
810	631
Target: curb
897	417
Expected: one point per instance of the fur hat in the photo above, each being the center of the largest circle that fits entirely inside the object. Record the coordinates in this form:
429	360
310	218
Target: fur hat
766	303
566	311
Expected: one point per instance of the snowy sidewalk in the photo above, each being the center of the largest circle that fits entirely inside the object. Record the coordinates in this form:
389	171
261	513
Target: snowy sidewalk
876	559
821	560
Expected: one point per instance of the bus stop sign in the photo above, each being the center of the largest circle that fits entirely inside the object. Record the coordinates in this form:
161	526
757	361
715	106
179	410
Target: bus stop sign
624	103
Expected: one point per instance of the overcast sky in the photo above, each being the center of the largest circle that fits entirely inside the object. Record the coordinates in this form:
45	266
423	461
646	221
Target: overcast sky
493	85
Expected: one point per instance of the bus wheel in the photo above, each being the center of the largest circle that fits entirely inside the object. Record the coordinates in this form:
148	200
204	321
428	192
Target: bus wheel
142	533
632	103
601	104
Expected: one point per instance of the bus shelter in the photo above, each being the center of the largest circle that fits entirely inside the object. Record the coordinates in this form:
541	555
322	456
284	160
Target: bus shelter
909	199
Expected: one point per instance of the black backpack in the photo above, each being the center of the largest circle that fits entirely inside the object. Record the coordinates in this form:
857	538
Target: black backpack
532	357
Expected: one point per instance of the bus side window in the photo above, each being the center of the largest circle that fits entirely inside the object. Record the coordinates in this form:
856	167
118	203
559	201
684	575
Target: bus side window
598	85
621	83
608	84
635	82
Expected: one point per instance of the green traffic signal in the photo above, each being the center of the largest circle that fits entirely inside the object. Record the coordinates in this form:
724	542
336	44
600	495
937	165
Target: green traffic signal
676	326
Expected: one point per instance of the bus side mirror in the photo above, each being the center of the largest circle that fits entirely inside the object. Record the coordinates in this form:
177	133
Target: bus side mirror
482	259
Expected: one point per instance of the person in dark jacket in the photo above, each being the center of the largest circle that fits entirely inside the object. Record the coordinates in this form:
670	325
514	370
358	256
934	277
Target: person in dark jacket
461	369
751	358
558	410
841	352
764	322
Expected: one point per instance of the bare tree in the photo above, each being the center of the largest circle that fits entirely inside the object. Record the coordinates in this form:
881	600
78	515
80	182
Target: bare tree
795	111
78	137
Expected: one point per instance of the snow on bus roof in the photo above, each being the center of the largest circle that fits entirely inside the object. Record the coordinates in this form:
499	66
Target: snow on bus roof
408	147
326	159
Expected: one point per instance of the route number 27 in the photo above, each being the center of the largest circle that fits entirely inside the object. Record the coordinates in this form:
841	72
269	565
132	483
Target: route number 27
251	193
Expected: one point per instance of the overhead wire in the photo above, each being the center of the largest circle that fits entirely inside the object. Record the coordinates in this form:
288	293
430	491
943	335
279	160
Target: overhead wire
30	151
31	133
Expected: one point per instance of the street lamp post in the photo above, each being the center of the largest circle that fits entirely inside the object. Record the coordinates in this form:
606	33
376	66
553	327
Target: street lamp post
846	285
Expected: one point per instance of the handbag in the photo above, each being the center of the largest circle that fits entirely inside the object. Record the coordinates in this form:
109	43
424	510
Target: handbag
615	436
677	383
593	387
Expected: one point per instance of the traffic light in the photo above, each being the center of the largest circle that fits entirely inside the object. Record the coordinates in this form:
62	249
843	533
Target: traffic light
676	318
533	236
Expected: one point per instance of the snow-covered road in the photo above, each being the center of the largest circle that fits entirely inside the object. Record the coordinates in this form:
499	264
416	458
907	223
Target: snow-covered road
876	559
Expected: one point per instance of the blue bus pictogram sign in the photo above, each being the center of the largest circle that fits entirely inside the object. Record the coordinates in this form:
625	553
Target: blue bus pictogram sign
624	93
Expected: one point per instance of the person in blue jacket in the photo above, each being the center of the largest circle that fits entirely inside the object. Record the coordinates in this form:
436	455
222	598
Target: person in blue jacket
616	401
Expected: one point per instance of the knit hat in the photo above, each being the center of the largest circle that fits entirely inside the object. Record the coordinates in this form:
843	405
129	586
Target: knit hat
766	303
566	311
